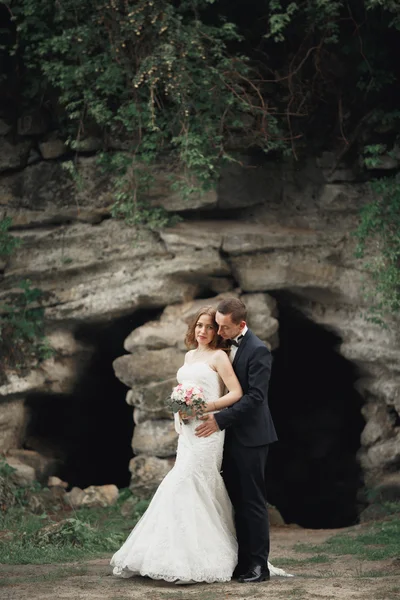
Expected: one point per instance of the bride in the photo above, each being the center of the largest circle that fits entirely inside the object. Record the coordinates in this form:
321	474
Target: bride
187	534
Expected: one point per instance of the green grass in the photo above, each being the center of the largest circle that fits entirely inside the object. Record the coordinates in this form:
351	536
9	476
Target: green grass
108	529
299	562
378	541
371	573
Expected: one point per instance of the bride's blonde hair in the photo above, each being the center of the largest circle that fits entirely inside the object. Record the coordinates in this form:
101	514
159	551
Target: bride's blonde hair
216	342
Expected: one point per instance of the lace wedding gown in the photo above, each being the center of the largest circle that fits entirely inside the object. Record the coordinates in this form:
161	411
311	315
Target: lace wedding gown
187	532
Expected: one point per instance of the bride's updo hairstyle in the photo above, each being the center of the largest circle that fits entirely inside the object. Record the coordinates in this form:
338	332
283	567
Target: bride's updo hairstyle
190	339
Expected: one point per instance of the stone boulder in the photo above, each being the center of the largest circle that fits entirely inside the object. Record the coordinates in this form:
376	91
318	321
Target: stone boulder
187	235
262	312
43	466
246	185
23	475
155	438
74	497
147	474
33	122
237	188
388	489
155	335
92	496
13	418
13	156
147	366
378	424
46	185
340	197
57	374
140	416
382	456
151	398
54	481
52	148
296	271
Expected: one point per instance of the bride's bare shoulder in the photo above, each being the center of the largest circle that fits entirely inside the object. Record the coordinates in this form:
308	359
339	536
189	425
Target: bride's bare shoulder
220	356
188	355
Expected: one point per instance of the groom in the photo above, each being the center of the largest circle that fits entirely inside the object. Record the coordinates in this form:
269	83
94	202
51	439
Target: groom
249	431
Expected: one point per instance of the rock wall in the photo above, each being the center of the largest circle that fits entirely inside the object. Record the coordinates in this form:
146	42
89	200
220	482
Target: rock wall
276	226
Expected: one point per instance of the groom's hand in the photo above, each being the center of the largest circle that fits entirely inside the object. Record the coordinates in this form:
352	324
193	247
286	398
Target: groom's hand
208	427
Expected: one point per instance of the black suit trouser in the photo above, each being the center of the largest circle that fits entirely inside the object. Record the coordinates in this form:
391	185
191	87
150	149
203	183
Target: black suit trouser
243	470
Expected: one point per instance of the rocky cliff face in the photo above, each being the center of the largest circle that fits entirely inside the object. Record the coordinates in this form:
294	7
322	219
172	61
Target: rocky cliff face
268	229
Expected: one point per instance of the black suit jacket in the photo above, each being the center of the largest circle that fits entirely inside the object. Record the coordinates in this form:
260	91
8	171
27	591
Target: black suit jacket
249	421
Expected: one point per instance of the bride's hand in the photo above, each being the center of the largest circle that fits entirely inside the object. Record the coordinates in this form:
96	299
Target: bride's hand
184	417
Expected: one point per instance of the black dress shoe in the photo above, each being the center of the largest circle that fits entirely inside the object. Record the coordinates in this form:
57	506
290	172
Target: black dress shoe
254	575
238	571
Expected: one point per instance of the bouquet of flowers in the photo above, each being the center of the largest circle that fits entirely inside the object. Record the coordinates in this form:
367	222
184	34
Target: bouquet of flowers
188	399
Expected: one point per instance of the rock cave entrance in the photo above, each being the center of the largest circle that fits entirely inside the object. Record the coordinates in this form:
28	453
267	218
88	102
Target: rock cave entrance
313	474
89	432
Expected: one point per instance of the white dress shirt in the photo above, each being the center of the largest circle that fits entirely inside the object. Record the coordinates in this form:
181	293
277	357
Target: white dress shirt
234	349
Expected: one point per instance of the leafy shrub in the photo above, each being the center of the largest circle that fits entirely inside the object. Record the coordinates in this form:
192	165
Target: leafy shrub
22	337
8	242
71	531
158	75
380	225
7	495
187	83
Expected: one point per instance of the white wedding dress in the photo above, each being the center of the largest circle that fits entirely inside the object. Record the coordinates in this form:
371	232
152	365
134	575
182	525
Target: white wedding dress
187	532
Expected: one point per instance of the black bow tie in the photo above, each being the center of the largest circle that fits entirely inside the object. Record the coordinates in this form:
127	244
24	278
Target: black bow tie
237	341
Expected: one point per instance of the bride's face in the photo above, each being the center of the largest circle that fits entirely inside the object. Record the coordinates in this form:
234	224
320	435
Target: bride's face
205	331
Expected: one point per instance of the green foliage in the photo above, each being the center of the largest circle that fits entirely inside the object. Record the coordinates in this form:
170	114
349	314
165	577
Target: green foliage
6	470
372	154
154	74
380	226
363	544
186	83
22	337
27	538
69	532
391	6
21	323
8	243
279	19
133	180
70	167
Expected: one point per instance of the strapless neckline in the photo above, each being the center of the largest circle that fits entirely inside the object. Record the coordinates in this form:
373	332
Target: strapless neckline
199	363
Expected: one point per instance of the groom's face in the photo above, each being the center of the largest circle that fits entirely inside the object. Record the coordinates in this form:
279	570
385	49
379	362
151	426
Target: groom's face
227	329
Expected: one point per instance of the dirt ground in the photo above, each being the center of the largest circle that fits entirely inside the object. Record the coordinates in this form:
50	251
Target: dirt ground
342	578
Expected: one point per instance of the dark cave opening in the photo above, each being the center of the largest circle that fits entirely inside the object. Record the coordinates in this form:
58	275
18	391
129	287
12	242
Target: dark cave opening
313	474
89	432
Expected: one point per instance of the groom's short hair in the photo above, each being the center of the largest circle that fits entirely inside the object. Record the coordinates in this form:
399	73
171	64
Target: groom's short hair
234	307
